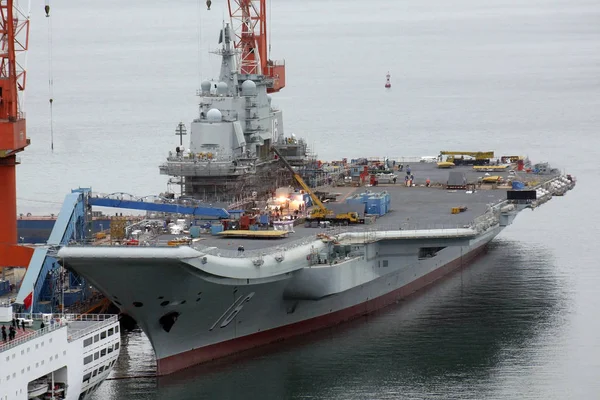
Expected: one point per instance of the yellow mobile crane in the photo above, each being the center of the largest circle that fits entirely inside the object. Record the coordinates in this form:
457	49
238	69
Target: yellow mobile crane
319	211
476	157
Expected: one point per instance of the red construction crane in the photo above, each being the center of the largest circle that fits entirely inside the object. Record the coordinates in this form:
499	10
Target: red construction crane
14	31
249	22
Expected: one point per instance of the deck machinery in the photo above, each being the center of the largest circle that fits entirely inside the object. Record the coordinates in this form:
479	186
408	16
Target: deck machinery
473	157
320	213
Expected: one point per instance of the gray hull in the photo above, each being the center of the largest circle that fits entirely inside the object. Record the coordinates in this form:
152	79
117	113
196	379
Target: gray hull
207	316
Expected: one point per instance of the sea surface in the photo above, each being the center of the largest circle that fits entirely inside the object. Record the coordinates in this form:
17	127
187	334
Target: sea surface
517	77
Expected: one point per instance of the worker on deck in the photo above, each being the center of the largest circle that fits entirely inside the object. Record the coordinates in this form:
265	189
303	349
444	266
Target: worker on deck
427	182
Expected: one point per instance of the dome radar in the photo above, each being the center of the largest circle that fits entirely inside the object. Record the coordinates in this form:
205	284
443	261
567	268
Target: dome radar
214	115
205	87
248	88
221	88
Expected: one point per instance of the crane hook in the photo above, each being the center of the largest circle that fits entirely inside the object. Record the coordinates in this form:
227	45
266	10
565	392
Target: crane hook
208	3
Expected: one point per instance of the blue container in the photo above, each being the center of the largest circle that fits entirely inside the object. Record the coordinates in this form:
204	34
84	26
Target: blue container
374	205
195	231
215	229
365	195
380	204
518	185
263	219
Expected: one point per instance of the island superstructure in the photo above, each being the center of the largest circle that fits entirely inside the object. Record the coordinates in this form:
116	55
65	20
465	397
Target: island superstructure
229	155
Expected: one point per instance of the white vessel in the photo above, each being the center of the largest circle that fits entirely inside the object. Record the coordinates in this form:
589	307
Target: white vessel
66	359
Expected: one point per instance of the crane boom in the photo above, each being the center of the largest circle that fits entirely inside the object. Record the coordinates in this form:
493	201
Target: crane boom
300	181
249	22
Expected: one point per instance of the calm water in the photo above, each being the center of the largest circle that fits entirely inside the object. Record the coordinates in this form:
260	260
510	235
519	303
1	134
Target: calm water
507	75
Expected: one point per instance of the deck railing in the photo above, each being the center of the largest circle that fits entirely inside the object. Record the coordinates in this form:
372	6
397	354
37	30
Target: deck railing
59	321
33	335
65	317
91	328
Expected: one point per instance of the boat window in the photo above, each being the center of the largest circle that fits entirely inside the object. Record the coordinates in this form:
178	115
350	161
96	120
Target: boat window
110	349
103	335
101	369
96	356
116	346
87	342
117	329
87	377
110	332
102	352
95	373
88	359
96	338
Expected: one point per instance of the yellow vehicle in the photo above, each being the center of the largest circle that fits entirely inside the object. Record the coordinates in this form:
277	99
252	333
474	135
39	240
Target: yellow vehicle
491	179
490	168
445	164
319	211
473	157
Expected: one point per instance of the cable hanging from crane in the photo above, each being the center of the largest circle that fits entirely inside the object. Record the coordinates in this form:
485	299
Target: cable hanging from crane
50	77
200	43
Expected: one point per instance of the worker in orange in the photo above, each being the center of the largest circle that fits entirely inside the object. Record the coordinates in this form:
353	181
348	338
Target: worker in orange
427	182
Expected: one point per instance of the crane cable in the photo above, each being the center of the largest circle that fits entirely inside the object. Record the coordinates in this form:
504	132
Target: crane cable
50	74
199	43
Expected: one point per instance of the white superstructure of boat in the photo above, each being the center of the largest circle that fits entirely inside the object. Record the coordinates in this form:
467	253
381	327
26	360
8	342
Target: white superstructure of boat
68	358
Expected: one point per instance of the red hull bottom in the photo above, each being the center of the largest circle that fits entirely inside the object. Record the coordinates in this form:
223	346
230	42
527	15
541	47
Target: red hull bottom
180	361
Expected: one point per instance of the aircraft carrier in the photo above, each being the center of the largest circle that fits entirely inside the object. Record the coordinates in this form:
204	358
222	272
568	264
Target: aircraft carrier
207	300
